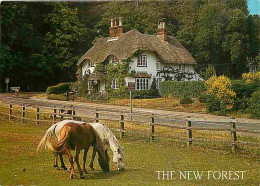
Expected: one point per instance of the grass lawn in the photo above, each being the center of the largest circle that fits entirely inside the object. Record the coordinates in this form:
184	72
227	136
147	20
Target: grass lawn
21	165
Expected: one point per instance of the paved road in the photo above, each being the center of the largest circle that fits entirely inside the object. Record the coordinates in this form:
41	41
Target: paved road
139	114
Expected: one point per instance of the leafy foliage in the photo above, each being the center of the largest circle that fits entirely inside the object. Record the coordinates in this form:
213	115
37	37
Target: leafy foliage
252	78
254	106
58	89
221	88
179	89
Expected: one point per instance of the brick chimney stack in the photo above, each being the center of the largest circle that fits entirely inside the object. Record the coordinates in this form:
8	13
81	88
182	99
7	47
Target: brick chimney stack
115	30
162	31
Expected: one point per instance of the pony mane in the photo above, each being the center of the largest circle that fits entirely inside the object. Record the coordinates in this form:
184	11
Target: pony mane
110	133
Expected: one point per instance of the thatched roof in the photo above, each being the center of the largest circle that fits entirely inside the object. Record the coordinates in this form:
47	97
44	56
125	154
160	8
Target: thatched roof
170	51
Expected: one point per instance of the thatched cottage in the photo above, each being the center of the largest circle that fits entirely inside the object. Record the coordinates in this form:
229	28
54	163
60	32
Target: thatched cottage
158	53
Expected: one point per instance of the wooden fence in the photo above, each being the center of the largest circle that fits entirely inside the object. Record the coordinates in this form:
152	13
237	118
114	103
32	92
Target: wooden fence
58	114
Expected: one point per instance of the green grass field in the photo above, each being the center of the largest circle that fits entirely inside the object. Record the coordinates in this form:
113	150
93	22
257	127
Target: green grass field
21	165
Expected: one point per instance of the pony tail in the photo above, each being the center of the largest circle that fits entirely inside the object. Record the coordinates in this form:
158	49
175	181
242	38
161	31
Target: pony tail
45	142
61	146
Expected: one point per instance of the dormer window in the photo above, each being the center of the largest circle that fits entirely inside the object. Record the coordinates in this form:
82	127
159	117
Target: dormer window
142	61
158	65
182	68
114	60
91	64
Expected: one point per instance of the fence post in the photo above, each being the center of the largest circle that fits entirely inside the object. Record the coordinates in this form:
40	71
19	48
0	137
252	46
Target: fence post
188	123
23	113
37	115
233	134
10	111
54	114
97	116
152	124
122	125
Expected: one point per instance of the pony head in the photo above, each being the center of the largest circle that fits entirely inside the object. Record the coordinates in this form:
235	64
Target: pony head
118	158
104	162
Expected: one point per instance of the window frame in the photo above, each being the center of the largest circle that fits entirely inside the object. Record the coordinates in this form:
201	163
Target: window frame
114	84
158	64
141	83
157	83
142	60
181	67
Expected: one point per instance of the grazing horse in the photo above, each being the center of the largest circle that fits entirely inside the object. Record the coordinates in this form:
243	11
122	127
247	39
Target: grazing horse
104	133
79	137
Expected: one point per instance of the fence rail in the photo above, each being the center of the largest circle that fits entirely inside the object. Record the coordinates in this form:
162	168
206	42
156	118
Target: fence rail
60	113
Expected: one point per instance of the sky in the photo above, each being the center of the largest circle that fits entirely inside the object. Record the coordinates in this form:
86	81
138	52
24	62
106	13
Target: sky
254	6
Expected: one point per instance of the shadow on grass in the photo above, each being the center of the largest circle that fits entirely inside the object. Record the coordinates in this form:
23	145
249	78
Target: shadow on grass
97	174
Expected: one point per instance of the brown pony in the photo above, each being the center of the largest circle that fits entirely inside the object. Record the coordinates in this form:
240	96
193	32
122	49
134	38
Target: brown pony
79	137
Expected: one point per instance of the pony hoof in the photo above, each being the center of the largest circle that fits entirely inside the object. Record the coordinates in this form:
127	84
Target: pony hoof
57	168
92	168
64	168
85	171
72	176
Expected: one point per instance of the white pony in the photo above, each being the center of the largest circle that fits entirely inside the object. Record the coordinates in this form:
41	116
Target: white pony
103	131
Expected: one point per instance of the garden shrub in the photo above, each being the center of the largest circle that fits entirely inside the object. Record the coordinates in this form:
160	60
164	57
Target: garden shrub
58	89
243	92
254	107
178	89
220	87
251	77
186	100
212	103
243	89
202	97
61	97
219	93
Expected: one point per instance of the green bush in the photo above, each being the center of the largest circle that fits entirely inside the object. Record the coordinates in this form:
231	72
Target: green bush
202	97
243	93
241	104
212	104
58	89
242	89
180	89
254	107
60	97
186	100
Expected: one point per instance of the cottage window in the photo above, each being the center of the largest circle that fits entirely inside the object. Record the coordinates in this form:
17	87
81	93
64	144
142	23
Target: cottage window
90	85
114	84
142	61
158	66
182	68
114	60
91	64
141	83
158	83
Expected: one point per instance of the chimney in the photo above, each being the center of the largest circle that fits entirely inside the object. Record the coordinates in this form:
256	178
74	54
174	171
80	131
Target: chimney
162	31
114	30
120	27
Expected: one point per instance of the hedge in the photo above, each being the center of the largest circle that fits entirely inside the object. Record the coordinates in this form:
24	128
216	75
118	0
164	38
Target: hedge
58	89
254	107
242	89
179	89
60	97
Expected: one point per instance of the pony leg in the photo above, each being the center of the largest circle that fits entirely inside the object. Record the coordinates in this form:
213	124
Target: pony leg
84	160
72	171
93	157
55	165
77	162
62	162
